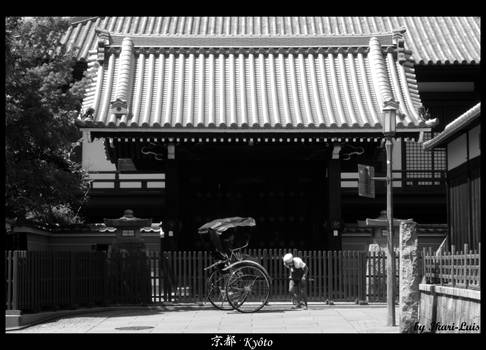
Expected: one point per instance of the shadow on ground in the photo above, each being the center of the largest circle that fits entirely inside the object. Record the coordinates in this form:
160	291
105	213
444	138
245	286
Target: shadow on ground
262	311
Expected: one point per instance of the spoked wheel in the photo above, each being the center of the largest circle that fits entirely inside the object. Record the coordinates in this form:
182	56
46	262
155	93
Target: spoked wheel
217	290
248	288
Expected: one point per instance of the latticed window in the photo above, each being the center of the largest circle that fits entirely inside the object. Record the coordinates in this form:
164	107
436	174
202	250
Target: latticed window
422	167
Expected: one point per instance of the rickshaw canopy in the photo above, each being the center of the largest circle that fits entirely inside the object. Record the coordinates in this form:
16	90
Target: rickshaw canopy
221	225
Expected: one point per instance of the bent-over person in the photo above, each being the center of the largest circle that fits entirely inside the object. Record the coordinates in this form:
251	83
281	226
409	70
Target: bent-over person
297	280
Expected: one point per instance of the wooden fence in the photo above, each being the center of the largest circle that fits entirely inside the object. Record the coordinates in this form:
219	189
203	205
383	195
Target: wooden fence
44	280
461	269
333	275
38	281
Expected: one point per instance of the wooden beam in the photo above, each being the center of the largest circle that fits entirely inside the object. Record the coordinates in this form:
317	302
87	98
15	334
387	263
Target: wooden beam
173	198
334	204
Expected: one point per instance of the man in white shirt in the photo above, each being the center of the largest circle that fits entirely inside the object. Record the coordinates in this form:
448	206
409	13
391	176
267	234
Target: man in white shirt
297	279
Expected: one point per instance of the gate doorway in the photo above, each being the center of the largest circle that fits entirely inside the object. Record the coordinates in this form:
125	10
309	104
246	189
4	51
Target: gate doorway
281	186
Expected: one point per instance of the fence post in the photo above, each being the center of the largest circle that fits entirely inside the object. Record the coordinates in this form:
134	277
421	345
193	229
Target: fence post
330	284
440	267
368	276
361	277
73	279
479	265
453	276
424	266
427	266
466	265
8	264
335	274
15	281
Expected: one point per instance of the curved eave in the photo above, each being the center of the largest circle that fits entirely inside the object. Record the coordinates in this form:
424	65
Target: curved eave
308	131
447	63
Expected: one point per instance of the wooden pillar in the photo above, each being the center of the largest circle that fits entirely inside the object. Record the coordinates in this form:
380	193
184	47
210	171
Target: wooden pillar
172	198
335	228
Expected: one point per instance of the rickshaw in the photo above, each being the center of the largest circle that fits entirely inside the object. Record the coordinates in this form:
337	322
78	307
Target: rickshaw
237	281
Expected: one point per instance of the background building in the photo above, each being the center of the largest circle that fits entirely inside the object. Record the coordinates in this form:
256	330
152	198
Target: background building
461	139
168	128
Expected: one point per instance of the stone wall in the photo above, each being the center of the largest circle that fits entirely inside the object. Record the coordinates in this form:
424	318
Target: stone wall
449	310
37	241
42	240
357	237
85	242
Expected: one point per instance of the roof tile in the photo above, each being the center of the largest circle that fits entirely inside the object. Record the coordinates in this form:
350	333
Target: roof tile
210	89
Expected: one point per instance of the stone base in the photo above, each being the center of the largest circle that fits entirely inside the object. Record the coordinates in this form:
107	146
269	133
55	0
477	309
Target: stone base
410	275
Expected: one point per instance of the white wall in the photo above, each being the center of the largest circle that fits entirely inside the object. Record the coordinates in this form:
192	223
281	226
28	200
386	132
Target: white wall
94	157
457	148
457	152
397	154
474	142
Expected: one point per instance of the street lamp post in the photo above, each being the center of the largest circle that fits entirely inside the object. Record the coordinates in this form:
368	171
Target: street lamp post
389	130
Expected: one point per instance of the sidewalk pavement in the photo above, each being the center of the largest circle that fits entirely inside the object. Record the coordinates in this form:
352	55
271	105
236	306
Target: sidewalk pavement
277	317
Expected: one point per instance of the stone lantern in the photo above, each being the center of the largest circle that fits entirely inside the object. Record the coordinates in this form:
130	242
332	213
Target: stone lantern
128	269
379	239
127	228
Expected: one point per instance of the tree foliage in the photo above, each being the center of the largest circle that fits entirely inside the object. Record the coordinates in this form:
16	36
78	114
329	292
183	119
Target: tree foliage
42	101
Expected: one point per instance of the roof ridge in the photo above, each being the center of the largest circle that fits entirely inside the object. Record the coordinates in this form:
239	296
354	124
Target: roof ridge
84	19
371	34
454	126
472	112
321	41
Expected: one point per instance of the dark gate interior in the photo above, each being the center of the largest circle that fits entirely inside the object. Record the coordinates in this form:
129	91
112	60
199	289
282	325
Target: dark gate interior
282	186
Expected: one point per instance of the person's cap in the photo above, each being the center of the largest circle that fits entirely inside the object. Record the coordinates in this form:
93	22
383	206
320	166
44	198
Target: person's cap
288	258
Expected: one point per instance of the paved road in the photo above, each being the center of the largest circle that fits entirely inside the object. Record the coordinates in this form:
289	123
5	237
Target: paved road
274	318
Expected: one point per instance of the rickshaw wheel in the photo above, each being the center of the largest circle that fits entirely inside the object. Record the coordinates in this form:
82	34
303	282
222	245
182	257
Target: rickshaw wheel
217	290
248	288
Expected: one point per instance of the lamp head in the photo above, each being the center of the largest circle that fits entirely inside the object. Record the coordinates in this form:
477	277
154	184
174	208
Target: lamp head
389	118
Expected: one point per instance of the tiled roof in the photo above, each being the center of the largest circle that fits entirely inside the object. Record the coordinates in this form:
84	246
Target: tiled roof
337	88
454	127
101	227
433	40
